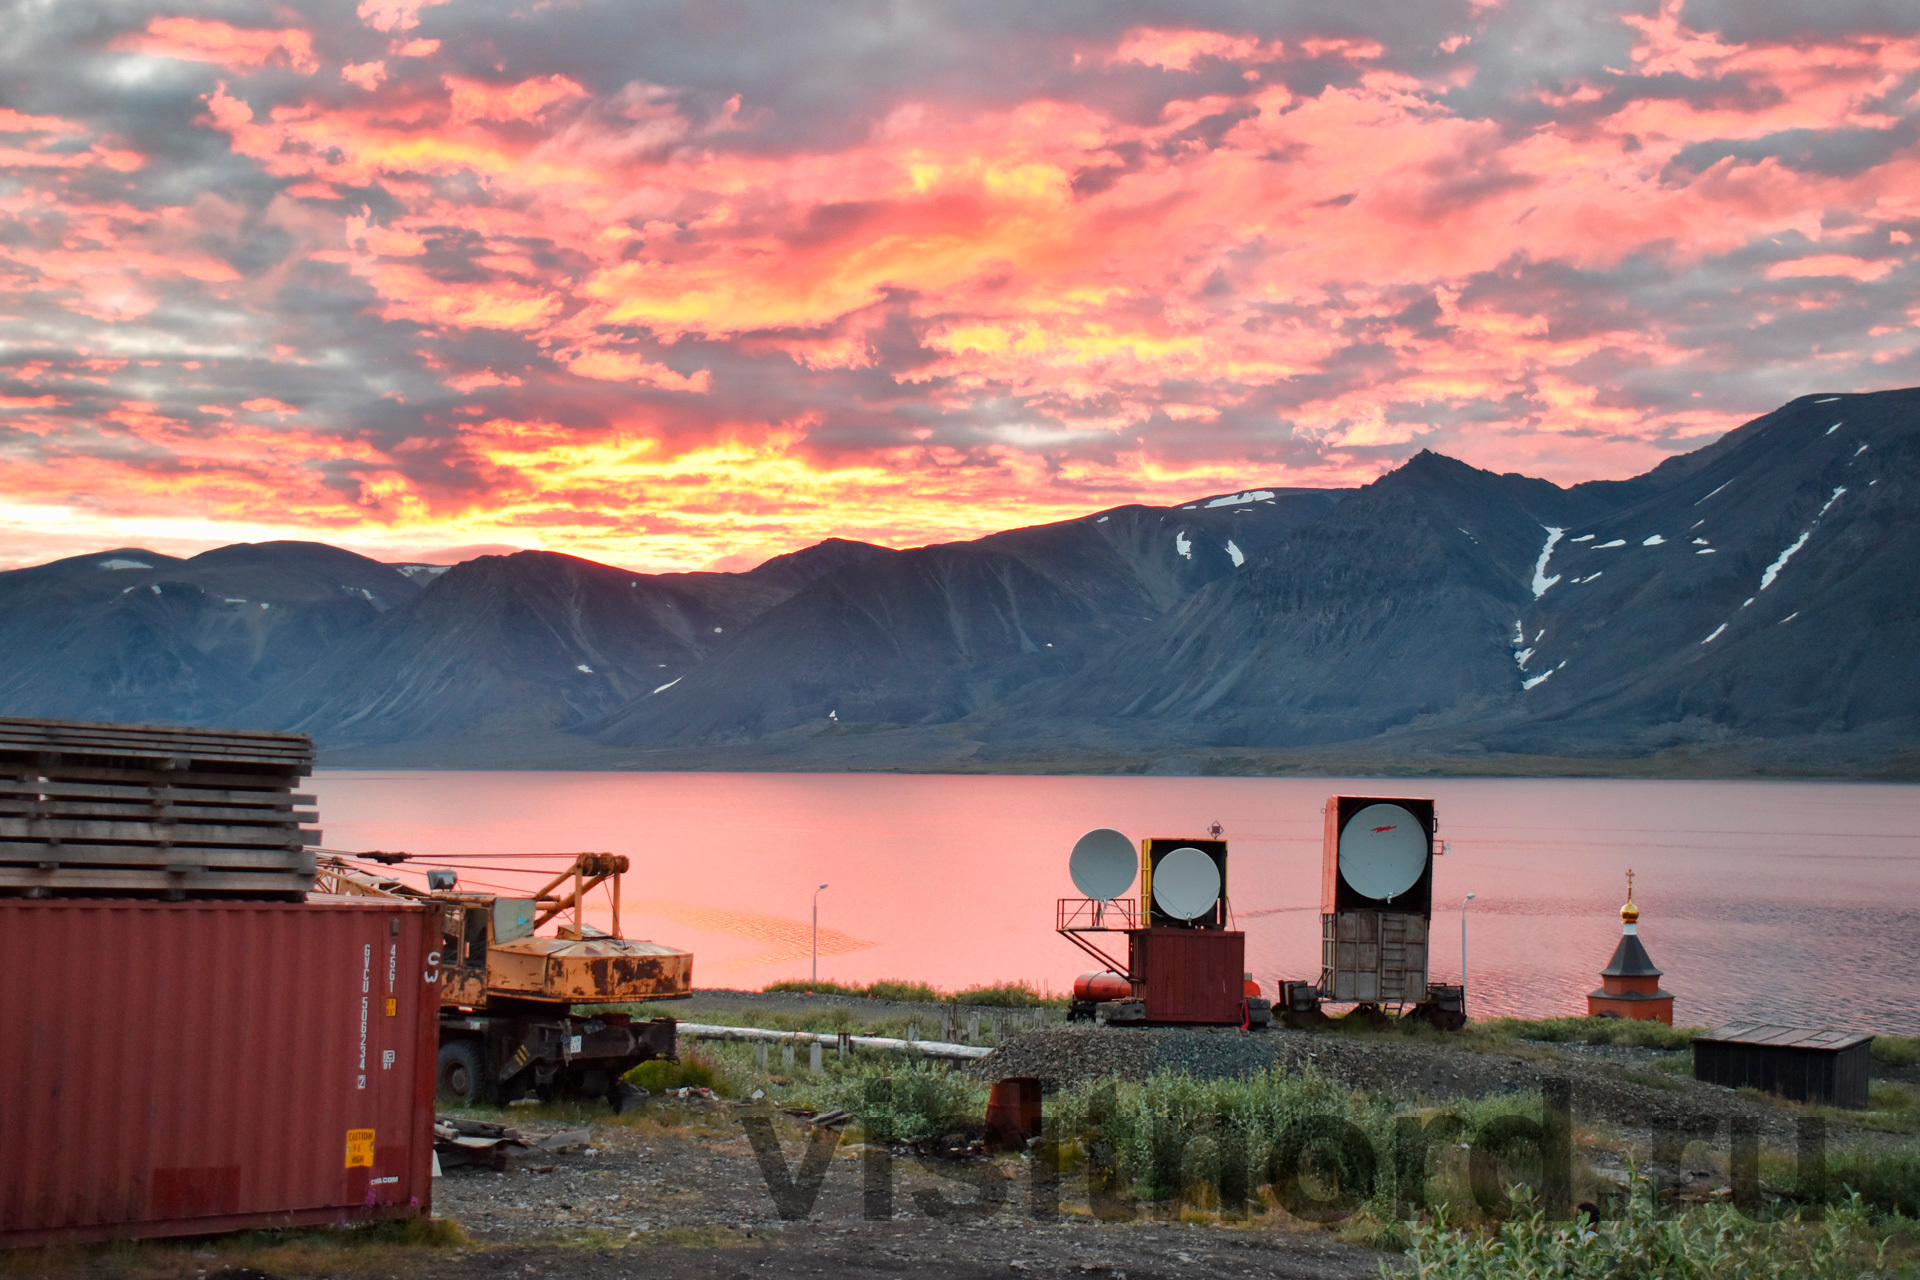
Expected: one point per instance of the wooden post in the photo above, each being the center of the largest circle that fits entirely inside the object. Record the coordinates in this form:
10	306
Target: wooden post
616	906
814	1062
760	1054
786	1055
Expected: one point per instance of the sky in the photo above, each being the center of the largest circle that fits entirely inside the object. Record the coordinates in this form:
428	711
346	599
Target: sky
683	286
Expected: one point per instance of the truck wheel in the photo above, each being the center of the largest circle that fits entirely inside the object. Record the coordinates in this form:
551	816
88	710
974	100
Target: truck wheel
462	1077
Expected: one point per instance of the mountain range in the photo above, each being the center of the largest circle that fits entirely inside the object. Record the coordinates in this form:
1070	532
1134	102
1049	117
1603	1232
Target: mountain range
1747	607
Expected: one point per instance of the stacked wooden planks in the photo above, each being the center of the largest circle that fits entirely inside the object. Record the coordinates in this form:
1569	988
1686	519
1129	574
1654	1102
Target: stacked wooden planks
90	809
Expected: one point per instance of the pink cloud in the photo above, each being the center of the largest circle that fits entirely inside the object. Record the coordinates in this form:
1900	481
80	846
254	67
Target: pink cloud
237	48
947	312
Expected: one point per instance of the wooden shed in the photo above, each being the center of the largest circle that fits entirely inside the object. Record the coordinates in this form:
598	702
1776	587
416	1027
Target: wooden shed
156	811
1800	1063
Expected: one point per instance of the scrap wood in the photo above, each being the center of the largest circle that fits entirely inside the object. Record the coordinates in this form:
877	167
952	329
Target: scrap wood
478	1128
833	1118
459	1142
564	1139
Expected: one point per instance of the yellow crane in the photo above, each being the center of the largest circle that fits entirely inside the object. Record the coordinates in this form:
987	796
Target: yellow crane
508	993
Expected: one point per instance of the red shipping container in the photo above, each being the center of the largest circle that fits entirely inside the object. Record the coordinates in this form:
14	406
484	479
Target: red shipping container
1191	975
183	1068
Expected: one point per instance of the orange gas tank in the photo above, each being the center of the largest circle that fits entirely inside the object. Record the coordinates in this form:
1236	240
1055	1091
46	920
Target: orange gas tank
1094	987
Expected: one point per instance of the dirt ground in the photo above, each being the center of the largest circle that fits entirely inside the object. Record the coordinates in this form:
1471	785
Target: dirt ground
678	1193
676	1189
686	1177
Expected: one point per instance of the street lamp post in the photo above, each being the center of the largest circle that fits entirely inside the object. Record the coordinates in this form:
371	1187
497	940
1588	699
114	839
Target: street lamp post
816	935
1463	951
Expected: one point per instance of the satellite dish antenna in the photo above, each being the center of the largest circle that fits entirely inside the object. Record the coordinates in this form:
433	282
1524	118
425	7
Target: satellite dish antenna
1383	851
1186	883
1103	864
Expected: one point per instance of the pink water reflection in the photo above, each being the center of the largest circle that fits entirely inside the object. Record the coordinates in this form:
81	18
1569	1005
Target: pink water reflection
1785	900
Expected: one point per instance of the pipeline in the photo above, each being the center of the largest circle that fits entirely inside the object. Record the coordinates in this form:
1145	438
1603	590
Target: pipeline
926	1048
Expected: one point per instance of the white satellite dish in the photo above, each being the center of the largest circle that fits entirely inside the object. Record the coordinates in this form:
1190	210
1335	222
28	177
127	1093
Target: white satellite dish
1383	850
1186	883
1103	864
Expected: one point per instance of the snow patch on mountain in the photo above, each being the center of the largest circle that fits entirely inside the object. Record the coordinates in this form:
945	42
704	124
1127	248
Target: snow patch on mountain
1698	501
1773	570
1535	681
423	572
1540	579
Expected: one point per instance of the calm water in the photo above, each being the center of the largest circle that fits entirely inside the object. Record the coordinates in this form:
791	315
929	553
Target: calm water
1777	900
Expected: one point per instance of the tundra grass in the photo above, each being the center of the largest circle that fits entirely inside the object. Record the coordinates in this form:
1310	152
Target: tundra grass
1644	1243
1896	1051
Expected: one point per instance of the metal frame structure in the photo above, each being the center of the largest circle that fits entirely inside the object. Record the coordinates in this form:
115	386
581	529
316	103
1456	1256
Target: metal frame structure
1074	917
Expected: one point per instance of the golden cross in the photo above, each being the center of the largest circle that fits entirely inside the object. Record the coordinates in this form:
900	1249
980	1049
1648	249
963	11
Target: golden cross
1629	884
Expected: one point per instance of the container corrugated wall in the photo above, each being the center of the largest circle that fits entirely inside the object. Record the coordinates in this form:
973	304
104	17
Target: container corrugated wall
1191	975
186	1068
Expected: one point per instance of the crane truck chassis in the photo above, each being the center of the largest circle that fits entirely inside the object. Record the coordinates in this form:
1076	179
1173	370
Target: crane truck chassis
496	1056
507	995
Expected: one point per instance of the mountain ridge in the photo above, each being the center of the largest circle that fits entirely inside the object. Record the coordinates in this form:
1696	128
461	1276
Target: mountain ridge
1739	603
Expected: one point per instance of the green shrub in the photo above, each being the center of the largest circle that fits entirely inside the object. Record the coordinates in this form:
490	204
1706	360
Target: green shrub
1714	1242
1172	1135
1886	1179
1007	995
658	1075
922	1099
999	995
816	988
1896	1051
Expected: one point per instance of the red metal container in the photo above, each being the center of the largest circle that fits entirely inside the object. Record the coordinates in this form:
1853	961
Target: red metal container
193	1067
1191	975
1013	1113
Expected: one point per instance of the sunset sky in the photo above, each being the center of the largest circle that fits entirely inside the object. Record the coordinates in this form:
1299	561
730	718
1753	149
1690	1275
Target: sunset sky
687	285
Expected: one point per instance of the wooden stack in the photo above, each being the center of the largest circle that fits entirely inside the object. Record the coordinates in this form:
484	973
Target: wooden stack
116	809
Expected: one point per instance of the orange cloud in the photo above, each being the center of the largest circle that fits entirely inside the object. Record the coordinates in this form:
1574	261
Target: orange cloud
527	100
620	366
942	317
